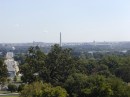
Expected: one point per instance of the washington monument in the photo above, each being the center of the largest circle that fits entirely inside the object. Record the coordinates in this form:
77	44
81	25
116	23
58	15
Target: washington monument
60	40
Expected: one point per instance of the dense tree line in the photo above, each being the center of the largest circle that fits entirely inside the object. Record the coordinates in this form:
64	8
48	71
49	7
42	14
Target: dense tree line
105	76
61	73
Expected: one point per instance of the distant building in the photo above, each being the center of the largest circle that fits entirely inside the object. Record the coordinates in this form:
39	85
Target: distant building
12	65
9	55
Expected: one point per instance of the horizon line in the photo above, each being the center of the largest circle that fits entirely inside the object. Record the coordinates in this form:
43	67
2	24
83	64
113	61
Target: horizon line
65	42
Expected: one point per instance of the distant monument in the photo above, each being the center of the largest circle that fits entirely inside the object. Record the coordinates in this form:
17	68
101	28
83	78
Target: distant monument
60	40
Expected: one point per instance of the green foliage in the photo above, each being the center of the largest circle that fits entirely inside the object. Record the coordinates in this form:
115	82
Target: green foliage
97	87
119	88
8	80
32	90
59	65
79	85
3	72
81	77
75	83
12	87
15	79
123	72
91	66
113	62
20	58
38	89
20	87
34	64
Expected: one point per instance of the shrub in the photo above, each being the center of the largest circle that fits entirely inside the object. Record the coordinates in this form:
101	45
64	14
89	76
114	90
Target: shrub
20	88
12	87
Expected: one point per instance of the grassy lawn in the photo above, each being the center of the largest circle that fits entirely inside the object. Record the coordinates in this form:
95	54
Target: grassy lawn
4	92
9	96
129	84
18	79
7	92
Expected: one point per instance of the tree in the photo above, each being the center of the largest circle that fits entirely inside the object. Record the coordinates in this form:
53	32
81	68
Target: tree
113	62
21	87
75	83
80	85
15	79
12	87
38	89
99	86
20	58
123	72
3	72
91	66
59	65
119	88
34	63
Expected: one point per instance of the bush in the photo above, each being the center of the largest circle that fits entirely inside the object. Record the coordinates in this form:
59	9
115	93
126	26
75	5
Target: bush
20	88
12	87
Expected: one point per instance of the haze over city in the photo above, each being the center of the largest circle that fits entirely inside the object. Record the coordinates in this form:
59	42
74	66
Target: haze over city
78	20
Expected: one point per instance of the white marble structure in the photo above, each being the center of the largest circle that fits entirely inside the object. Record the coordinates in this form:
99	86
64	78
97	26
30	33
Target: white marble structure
12	65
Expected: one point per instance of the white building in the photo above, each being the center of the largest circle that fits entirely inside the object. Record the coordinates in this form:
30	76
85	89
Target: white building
12	65
9	55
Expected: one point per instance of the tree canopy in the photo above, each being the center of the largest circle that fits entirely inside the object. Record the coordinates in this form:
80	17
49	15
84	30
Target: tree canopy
74	76
34	64
39	89
3	72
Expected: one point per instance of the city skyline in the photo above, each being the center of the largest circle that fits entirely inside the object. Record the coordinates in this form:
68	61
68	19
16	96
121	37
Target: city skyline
78	20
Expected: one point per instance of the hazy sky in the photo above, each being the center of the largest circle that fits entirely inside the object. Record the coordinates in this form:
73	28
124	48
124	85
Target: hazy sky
78	20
